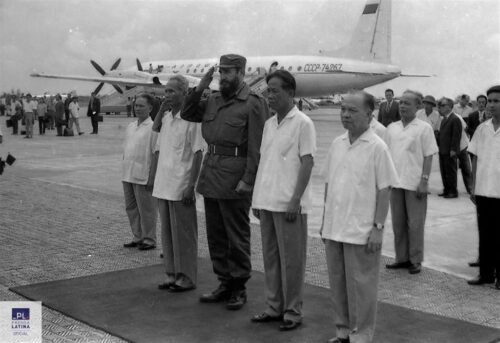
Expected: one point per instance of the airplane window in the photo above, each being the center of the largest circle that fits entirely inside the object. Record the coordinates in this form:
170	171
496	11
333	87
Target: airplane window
187	71
299	68
198	65
290	68
249	69
282	68
194	71
202	69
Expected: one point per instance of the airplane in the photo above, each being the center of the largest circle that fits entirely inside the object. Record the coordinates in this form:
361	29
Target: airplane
364	62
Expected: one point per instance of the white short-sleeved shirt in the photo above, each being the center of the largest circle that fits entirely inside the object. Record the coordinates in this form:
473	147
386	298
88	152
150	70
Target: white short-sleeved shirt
485	144
409	146
354	174
378	128
462	111
282	146
464	139
433	119
29	106
178	141
138	148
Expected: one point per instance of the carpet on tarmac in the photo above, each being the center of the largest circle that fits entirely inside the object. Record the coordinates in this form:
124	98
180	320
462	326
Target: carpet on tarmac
127	304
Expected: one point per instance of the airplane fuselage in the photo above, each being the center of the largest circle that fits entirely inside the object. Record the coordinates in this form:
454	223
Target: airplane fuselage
315	75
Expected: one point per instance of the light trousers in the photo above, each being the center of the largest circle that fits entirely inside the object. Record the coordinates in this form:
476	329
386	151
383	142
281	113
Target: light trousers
408	222
142	211
284	246
179	237
73	120
353	274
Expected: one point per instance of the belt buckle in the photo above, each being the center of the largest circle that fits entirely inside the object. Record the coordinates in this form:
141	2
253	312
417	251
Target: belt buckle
236	151
212	149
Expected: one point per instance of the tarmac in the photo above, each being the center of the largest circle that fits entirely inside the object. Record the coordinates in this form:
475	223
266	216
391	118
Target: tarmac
62	216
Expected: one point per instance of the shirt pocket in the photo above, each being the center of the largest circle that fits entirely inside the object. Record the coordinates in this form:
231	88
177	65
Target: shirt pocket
286	143
233	133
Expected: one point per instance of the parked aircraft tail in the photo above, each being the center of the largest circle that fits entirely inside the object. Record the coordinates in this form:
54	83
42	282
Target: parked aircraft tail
371	40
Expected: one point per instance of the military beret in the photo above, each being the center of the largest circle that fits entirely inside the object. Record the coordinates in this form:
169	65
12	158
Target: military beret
232	61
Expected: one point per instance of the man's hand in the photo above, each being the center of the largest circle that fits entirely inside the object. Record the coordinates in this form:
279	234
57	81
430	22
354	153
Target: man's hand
206	80
150	184
256	213
375	241
188	196
292	210
243	188
453	153
422	189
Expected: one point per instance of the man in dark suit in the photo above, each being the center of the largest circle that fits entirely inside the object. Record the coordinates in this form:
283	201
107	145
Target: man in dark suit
450	134
477	117
93	111
389	110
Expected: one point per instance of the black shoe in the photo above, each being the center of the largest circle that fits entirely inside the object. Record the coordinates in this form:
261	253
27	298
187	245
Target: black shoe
93	133
131	244
145	246
265	318
288	325
80	133
165	285
339	340
415	268
398	265
220	294
174	288
451	196
237	300
161	255
441	194
480	281
474	263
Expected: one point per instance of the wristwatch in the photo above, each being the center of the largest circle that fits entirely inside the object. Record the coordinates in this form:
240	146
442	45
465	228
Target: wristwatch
378	226
425	177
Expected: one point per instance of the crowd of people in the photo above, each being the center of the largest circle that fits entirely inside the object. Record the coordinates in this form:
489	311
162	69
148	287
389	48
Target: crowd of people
241	151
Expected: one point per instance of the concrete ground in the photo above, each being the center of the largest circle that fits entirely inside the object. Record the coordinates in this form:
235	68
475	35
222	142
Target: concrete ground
62	216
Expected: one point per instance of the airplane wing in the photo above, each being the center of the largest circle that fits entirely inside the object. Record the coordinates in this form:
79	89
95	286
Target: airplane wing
155	81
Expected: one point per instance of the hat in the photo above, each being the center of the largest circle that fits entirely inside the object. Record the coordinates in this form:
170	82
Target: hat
232	61
429	99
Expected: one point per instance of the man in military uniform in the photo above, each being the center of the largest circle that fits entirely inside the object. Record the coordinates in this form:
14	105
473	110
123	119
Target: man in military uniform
232	125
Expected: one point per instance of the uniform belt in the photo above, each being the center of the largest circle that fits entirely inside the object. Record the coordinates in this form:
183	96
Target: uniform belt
226	151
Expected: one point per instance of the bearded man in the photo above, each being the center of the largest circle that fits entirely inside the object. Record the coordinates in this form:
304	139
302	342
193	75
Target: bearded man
232	122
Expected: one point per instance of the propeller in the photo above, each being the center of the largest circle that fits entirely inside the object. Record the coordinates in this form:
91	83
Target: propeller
139	65
102	72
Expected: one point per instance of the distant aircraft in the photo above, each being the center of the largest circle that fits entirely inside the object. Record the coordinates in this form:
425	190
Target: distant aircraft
364	62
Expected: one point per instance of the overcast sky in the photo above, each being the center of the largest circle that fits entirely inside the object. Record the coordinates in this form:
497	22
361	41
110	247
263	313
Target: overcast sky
459	41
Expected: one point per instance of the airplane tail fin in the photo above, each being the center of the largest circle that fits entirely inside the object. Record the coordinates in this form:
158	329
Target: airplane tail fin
371	40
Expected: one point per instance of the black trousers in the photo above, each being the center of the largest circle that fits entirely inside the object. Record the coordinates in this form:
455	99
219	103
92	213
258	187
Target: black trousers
41	125
95	124
448	167
489	236
228	234
466	169
15	126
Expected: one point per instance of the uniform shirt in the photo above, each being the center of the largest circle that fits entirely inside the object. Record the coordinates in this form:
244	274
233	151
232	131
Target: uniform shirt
355	173
282	146
408	146
462	111
178	141
234	122
378	128
485	144
41	109
74	109
29	106
433	119
138	148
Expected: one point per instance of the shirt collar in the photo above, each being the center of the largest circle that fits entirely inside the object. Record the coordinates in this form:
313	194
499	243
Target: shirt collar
145	122
366	136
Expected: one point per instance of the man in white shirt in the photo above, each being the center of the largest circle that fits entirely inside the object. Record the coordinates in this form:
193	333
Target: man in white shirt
412	144
462	108
74	114
359	173
282	200
485	147
140	205
378	128
177	163
29	107
429	113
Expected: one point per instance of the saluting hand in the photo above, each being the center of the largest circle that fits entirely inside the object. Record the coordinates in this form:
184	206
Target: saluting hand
206	80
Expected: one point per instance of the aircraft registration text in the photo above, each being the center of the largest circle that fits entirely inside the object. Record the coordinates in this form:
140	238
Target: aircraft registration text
317	67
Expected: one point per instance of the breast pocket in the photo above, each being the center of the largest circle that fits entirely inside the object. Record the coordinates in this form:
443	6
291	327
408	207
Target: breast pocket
234	131
208	125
